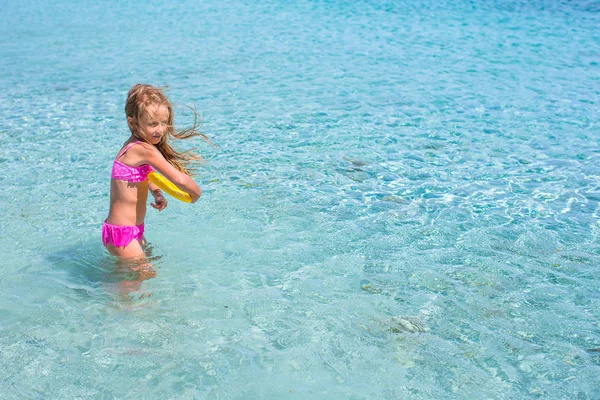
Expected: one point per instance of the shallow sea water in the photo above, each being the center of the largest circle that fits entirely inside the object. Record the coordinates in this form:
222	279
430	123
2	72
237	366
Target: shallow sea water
404	202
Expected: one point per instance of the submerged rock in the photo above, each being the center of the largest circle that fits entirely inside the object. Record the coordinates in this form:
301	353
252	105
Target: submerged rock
406	324
395	199
594	350
370	289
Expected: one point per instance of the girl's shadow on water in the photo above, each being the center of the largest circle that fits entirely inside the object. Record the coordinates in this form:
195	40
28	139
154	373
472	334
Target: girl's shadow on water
89	270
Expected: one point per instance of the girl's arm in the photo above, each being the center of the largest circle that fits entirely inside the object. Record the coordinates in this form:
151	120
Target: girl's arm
152	156
160	203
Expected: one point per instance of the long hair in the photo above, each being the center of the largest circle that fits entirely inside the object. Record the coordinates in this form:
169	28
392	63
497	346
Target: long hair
139	100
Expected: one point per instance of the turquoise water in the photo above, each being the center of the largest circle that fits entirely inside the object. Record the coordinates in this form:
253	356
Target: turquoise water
404	203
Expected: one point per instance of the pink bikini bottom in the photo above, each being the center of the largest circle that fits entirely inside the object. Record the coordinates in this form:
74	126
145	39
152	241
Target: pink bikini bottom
121	236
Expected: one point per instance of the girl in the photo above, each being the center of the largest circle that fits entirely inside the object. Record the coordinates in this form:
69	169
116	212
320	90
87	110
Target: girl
150	119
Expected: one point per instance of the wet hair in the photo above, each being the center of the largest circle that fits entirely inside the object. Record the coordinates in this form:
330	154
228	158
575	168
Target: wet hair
140	101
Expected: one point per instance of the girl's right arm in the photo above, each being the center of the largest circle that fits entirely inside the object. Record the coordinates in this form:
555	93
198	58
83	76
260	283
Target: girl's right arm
152	156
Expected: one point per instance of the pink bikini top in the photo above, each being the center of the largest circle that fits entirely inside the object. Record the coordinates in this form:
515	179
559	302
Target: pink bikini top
124	172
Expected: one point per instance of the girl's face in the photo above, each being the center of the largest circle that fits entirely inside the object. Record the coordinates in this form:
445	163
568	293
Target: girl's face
154	123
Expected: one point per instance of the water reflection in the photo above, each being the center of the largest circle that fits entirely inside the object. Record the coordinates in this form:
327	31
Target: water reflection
100	274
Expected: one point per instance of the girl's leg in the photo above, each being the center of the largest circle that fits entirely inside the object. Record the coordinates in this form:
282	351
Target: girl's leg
132	250
134	264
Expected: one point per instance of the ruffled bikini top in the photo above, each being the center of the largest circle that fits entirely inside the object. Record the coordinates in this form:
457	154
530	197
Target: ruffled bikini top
125	172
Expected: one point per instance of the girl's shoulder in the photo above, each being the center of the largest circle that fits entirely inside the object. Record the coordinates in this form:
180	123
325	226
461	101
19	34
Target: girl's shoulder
136	153
134	147
143	146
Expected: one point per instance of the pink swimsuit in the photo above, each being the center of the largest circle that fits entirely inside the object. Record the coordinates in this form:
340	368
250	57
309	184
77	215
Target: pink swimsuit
125	172
122	235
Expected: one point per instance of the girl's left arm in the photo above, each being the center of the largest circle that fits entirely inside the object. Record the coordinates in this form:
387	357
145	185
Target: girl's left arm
160	203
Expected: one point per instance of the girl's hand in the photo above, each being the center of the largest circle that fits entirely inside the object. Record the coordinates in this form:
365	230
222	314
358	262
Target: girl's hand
160	203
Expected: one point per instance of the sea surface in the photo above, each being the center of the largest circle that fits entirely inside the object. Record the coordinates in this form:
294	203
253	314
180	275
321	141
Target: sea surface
404	202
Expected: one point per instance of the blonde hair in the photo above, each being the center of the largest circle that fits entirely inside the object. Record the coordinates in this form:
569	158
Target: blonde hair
139	100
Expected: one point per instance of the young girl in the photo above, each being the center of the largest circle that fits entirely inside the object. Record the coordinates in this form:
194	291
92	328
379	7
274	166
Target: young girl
150	119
